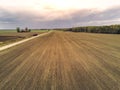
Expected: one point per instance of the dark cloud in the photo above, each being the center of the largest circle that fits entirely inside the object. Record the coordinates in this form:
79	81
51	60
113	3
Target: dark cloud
86	16
6	17
78	18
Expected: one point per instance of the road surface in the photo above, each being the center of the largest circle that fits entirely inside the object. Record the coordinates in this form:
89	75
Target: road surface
62	61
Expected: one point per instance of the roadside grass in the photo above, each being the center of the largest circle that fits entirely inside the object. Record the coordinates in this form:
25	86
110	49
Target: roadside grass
10	41
7	31
39	30
18	36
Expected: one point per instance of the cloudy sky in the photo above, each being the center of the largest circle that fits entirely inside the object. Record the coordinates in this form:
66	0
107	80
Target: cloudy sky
58	13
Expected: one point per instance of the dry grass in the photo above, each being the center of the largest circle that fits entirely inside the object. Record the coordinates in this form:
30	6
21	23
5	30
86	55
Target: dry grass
63	61
11	36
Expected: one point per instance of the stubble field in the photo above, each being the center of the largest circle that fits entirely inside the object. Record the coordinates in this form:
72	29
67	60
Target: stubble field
63	61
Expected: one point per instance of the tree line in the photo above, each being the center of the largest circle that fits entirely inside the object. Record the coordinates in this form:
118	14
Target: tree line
112	29
23	30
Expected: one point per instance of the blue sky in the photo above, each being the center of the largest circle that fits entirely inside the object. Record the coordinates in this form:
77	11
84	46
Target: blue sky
58	13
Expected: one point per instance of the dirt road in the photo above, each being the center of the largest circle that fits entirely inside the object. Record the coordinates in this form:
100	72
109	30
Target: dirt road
62	61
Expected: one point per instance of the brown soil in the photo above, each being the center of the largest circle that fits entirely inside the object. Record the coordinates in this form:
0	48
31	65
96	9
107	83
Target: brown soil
62	61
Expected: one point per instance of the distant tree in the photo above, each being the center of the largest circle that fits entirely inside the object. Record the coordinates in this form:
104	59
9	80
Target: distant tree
18	29
29	30
26	29
113	29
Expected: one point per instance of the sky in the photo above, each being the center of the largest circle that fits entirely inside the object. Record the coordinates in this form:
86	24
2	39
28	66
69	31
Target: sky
58	13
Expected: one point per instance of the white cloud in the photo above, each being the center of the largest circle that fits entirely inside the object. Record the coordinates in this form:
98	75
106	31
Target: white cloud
52	10
38	5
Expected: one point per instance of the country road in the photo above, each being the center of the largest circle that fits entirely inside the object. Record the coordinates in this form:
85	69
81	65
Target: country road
62	61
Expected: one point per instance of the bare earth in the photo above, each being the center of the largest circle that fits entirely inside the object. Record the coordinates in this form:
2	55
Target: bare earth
62	61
